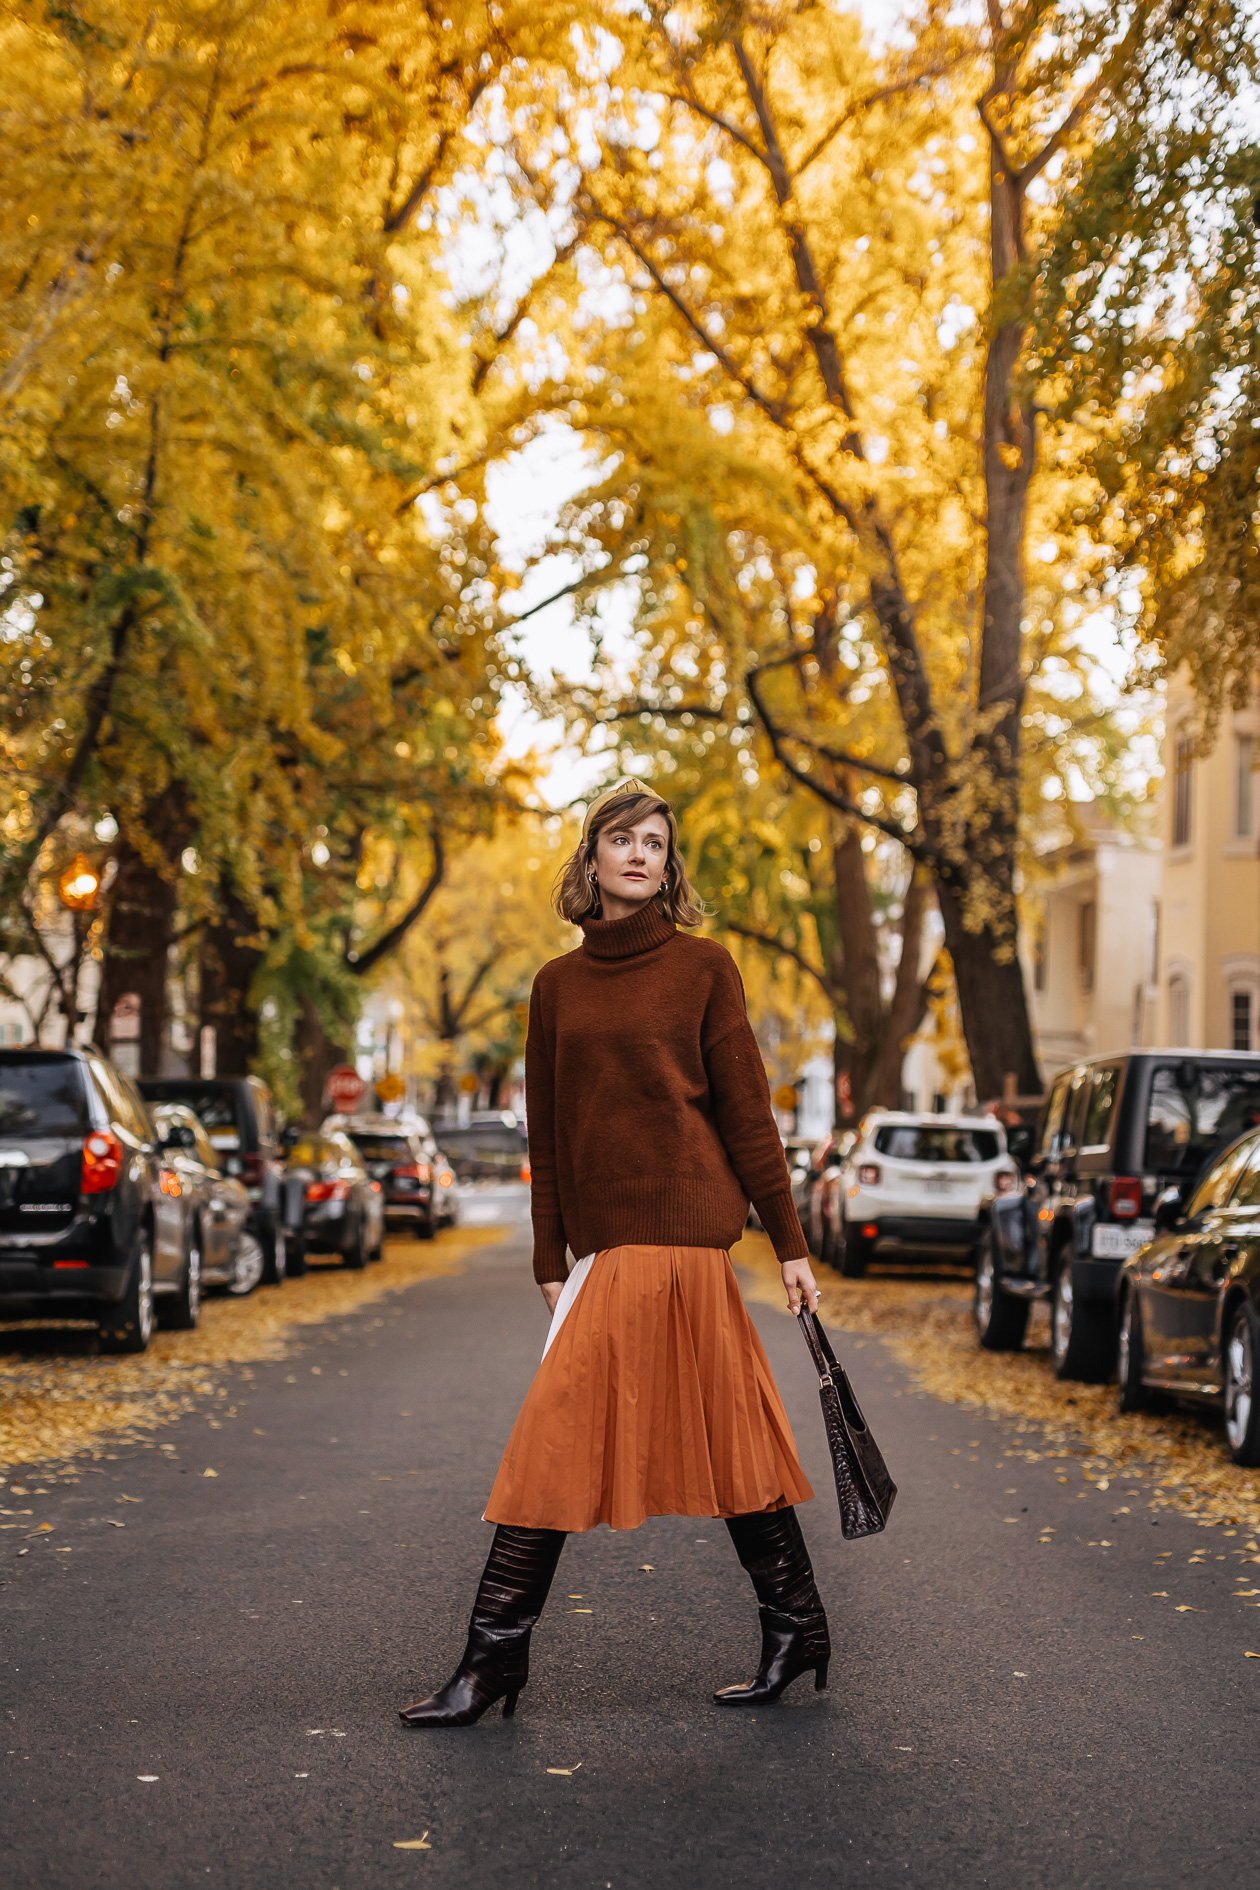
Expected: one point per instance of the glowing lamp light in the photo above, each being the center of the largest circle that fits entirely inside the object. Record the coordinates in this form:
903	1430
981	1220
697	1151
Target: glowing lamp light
79	884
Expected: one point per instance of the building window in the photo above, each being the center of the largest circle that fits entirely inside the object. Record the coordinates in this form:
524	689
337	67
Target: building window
1086	942
1183	765
1178	1012
1244	787
1240	1010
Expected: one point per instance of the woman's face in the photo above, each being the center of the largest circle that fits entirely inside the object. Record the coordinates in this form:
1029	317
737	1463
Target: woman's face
630	863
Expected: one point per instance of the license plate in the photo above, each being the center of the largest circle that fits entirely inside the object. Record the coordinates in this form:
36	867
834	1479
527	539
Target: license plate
1111	1242
936	1184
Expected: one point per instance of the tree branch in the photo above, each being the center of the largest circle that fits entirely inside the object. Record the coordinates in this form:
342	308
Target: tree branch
361	965
783	950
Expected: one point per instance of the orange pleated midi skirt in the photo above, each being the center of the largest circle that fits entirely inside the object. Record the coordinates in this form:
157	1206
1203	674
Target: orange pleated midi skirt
655	1398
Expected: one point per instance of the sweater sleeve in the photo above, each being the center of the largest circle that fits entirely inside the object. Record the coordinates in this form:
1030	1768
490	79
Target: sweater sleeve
744	1118
540	1110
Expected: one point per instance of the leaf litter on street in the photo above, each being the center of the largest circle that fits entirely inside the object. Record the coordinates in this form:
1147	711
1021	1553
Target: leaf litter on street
60	1398
923	1315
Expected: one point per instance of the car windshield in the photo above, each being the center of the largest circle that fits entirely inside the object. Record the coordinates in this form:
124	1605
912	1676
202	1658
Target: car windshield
488	1139
908	1143
42	1096
216	1108
1196	1110
382	1148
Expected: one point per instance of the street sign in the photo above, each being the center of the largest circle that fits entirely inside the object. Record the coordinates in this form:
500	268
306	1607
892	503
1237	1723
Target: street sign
391	1088
345	1089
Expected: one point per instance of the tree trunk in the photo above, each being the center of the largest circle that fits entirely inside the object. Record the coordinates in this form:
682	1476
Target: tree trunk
318	1055
992	1003
231	952
135	951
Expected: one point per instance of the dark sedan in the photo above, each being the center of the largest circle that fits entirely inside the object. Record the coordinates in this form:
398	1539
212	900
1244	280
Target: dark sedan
1188	1300
343	1211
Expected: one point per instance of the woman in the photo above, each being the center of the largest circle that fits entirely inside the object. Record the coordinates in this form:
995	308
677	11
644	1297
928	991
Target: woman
650	1129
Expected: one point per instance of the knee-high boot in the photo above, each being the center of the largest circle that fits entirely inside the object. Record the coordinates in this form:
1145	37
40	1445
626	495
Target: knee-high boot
794	1635
510	1599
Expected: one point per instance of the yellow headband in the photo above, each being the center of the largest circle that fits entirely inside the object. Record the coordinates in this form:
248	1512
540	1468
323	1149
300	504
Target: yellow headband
629	786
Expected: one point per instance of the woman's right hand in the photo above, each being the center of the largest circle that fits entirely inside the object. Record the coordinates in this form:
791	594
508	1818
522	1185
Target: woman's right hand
551	1291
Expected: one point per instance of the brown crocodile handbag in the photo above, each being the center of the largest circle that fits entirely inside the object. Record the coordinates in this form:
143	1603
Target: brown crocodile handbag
863	1485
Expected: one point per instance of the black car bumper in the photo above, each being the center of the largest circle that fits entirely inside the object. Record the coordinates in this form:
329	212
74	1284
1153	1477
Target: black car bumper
910	1234
38	1289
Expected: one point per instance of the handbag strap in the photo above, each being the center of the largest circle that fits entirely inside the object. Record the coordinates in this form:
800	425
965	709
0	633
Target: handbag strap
825	1361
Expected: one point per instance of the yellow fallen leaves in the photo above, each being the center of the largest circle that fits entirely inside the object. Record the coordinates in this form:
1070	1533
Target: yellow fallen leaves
924	1316
413	1844
57	1397
564	1771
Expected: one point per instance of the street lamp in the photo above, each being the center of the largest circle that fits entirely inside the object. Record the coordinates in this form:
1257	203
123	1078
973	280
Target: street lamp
79	884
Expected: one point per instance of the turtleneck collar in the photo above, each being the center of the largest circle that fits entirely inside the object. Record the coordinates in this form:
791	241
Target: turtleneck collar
642	931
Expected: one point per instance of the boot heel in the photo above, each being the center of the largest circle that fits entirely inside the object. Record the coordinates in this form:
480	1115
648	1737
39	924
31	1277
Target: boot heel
820	1678
509	1703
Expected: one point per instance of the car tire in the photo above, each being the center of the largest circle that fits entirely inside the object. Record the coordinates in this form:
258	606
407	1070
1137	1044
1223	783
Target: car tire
248	1271
129	1326
275	1258
355	1256
181	1311
1082	1336
294	1256
1131	1356
854	1253
1001	1320
1242	1408
426	1229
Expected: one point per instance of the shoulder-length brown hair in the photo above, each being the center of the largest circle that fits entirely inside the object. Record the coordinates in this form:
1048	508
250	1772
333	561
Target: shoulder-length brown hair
576	897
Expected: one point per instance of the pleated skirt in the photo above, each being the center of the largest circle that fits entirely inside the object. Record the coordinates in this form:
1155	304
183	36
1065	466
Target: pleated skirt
655	1398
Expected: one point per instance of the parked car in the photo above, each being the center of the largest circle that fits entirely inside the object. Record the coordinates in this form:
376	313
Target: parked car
239	1115
912	1186
809	1182
488	1148
86	1230
1189	1300
1115	1132
402	1157
221	1251
343	1207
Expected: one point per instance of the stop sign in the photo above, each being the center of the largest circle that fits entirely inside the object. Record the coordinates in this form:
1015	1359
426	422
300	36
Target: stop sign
345	1089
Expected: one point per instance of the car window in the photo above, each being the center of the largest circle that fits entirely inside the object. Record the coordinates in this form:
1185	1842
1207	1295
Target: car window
1247	1184
1196	1110
909	1143
345	1151
382	1148
1103	1089
1052	1124
42	1096
484	1139
1074	1111
128	1114
214	1105
136	1105
1214	1189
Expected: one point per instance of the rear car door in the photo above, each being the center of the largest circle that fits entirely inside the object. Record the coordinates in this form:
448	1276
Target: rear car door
1176	1321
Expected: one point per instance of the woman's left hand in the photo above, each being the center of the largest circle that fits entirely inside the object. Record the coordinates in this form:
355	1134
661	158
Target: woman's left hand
798	1279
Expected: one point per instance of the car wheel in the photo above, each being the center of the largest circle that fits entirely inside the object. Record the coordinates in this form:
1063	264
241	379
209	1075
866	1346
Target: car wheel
182	1310
294	1256
1082	1336
854	1253
1242	1408
275	1258
248	1270
129	1325
1001	1320
1131	1355
355	1256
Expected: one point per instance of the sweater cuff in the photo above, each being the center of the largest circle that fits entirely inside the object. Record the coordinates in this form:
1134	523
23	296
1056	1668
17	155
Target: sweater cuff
549	1251
779	1218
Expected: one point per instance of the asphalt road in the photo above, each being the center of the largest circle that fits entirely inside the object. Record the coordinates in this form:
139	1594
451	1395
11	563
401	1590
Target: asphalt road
207	1695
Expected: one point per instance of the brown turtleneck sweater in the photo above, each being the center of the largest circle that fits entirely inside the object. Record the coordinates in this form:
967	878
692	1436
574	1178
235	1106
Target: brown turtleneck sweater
649	1112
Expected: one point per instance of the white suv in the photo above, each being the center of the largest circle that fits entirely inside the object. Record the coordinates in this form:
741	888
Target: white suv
913	1185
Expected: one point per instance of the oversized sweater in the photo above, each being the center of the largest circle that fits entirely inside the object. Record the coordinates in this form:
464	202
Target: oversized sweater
649	1111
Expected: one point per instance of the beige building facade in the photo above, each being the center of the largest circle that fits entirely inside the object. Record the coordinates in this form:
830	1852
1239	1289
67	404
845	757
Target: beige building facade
1209	930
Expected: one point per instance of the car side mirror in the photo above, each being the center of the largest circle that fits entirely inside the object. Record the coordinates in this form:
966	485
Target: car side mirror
1168	1208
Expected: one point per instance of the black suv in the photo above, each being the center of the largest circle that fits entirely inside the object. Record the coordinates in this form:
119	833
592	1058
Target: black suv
239	1116
85	1229
1113	1134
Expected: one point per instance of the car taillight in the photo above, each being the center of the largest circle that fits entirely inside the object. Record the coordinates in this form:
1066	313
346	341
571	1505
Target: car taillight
1006	1181
252	1170
412	1171
525	1171
168	1182
1124	1197
327	1190
869	1174
102	1162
